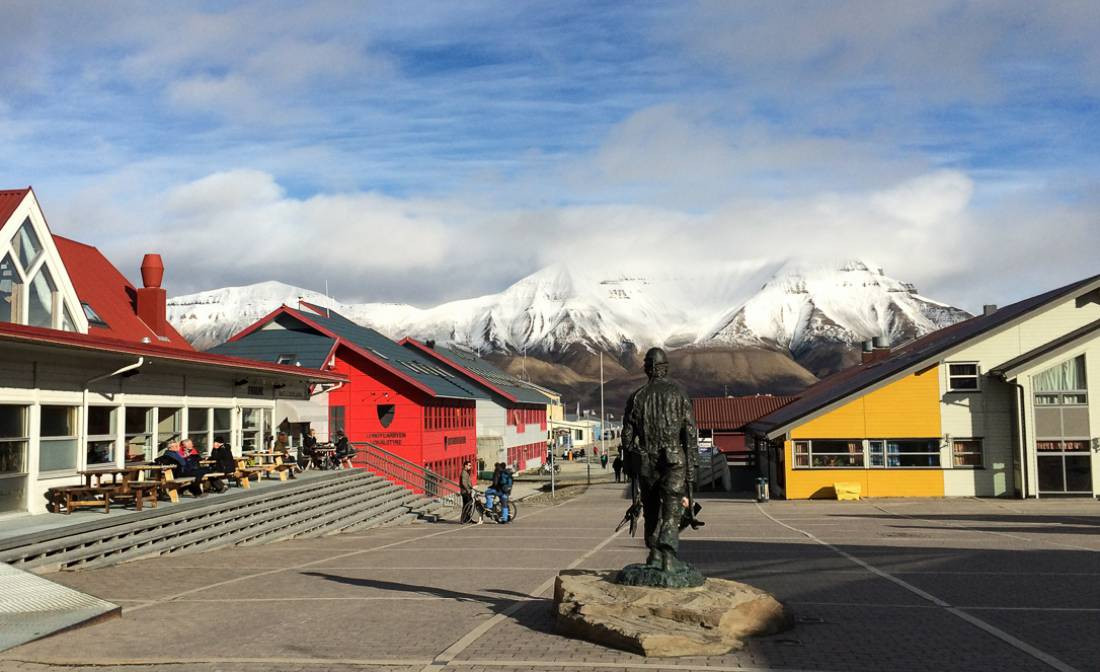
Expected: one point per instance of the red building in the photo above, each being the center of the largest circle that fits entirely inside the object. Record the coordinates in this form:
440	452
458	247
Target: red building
396	398
723	419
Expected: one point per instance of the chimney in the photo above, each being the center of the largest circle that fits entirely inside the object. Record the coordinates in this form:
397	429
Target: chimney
880	349
152	299
866	353
988	309
430	343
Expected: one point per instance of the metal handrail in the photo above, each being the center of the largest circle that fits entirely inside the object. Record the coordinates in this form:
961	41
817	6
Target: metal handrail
421	480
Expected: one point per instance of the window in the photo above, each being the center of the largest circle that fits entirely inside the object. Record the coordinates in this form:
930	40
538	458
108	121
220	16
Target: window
966	452
254	426
26	245
67	322
13	457
93	317
13	439
877	452
223	424
10	291
57	445
138	431
1062	385
962	377
41	299
101	435
829	453
198	426
168	426
913	453
289	360
335	420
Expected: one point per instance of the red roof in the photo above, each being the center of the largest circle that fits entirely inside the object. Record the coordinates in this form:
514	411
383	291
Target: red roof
99	284
96	343
734	412
9	201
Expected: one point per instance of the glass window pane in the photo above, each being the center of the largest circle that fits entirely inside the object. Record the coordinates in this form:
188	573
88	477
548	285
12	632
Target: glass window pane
13	421
13	494
57	454
223	419
26	245
198	420
100	452
67	323
168	424
58	421
40	300
10	289
139	420
101	421
964	369
13	457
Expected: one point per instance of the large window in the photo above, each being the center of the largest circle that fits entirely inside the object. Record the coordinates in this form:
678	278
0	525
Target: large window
829	453
336	420
962	377
198	427
168	426
57	443
42	299
26	245
255	426
1062	385
223	425
13	457
876	453
101	435
139	434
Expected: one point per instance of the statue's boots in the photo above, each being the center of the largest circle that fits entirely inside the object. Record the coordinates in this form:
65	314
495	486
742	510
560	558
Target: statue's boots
671	564
655	559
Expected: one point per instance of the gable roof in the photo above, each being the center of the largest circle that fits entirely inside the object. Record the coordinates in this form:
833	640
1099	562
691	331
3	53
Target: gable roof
310	348
99	284
734	412
406	364
10	200
21	333
913	356
1012	367
481	372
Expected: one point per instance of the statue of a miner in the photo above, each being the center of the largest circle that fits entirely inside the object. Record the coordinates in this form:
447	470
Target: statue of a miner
662	453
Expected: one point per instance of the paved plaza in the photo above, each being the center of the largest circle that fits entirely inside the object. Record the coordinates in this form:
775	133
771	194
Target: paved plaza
875	585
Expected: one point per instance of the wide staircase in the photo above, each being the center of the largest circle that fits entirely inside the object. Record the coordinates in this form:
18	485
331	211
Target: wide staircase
389	491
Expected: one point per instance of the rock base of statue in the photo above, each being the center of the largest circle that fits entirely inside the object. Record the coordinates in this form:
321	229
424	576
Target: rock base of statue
682	575
711	619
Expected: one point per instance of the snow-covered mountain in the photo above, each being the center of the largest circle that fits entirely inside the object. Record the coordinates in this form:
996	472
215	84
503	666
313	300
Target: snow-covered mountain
792	307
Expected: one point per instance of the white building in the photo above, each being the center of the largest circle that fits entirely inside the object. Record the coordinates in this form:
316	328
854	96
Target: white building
91	373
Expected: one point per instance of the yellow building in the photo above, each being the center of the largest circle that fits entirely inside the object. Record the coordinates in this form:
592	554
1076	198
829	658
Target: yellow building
997	405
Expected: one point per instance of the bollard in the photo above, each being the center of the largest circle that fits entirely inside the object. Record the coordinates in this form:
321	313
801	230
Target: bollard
761	489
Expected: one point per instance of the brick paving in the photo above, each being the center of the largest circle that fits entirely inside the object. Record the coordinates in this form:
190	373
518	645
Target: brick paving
939	585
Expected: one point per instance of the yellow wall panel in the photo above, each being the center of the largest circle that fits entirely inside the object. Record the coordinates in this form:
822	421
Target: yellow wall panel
907	408
846	422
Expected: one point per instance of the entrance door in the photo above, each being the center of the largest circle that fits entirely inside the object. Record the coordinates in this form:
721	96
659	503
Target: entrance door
1065	471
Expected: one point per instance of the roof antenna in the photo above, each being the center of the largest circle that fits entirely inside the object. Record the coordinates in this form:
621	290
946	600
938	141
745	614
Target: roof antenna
328	301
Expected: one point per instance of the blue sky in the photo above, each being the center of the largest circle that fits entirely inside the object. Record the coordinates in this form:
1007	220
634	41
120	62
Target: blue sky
427	151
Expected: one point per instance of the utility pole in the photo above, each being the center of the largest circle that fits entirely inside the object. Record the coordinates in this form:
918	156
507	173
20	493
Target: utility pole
603	416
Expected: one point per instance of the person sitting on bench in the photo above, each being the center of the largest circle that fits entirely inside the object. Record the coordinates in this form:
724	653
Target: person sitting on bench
344	451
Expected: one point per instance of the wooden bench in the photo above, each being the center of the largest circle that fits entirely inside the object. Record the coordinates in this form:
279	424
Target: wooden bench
69	497
173	484
138	492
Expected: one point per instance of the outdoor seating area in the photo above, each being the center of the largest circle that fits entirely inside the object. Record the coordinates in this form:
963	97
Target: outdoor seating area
145	483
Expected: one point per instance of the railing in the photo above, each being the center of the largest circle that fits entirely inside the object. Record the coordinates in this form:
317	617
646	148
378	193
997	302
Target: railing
398	470
713	470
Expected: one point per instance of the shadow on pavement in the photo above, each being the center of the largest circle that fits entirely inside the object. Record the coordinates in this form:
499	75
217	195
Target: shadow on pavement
1042	524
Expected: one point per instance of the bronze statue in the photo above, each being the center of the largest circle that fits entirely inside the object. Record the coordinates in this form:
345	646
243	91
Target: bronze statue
662	455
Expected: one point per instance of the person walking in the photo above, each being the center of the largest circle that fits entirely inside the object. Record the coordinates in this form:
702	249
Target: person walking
466	489
603	461
617	466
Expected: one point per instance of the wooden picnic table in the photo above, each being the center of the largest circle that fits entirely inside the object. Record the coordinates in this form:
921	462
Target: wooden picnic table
271	462
127	482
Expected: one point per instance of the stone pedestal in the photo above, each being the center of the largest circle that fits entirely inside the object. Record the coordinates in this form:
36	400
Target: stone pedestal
707	620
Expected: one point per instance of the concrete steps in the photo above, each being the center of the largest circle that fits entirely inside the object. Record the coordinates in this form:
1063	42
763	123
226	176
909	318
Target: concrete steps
307	507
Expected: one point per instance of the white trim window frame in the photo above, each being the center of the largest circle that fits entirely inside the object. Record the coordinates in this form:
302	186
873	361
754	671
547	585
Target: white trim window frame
895	456
15	442
973	446
964	377
826	454
99	441
49	445
131	431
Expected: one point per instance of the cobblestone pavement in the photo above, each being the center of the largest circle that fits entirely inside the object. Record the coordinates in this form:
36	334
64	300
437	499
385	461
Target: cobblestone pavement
940	585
